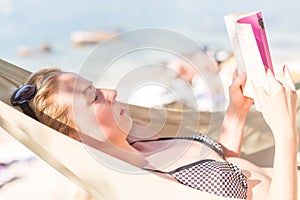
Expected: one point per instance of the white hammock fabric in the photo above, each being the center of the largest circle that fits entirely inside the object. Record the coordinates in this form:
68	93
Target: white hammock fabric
73	160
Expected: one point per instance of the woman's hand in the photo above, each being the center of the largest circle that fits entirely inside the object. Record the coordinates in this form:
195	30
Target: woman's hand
235	117
278	105
239	103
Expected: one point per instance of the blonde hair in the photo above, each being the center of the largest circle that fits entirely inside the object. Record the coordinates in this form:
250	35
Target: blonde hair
54	114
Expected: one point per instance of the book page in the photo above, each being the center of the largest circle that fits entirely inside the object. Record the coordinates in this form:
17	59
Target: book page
247	54
230	22
252	61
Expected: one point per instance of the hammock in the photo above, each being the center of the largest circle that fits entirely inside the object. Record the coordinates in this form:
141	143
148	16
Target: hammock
99	180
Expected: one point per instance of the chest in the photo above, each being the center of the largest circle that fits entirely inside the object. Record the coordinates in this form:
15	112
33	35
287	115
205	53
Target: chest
168	155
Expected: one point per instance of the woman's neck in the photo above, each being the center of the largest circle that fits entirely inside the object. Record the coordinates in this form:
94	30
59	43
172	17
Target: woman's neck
141	132
123	150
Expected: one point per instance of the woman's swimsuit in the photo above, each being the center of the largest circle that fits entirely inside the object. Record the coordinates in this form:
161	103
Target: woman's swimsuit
217	177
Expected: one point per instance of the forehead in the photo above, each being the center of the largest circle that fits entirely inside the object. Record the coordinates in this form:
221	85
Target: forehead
69	82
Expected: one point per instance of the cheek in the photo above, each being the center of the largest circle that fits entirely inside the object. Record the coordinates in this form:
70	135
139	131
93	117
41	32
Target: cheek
104	116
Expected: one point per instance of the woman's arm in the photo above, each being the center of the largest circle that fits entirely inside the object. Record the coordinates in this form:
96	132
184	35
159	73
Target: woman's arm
235	117
279	111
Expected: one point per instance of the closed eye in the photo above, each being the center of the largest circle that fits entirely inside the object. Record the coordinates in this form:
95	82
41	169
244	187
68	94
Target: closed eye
96	98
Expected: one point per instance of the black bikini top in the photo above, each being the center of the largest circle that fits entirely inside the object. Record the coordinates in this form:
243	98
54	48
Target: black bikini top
216	177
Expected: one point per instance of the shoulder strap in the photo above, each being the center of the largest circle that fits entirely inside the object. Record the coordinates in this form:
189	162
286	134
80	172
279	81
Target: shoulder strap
204	139
153	140
179	168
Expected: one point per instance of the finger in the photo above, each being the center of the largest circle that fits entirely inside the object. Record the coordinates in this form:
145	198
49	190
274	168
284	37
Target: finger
295	100
288	96
288	78
240	79
291	100
239	82
272	81
235	74
270	76
291	94
261	93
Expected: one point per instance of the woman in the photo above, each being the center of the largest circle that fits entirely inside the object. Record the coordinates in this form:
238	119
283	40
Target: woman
72	105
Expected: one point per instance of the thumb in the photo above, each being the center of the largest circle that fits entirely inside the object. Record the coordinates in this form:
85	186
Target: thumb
239	80
272	81
260	93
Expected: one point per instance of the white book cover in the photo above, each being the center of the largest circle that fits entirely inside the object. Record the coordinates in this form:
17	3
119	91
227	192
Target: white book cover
250	47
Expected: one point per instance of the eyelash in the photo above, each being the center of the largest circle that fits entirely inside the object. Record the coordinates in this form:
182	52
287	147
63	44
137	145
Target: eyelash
96	98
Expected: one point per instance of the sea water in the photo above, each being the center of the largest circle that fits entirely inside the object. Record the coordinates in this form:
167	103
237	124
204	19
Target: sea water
32	23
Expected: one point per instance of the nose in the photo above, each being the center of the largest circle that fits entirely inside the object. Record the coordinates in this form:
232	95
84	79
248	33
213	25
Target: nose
109	95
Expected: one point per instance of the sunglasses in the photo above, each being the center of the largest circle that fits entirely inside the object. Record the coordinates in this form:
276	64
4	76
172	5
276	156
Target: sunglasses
21	97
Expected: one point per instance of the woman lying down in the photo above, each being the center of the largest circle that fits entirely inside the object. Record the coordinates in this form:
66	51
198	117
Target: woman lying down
96	118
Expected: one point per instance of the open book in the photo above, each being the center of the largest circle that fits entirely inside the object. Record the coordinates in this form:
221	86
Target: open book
250	47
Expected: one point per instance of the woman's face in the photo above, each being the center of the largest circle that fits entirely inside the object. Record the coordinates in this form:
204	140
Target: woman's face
96	111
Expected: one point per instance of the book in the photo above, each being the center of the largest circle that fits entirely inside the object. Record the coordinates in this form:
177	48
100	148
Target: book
251	50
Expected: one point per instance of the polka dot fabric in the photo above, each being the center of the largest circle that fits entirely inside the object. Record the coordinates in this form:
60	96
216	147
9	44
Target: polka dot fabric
216	177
